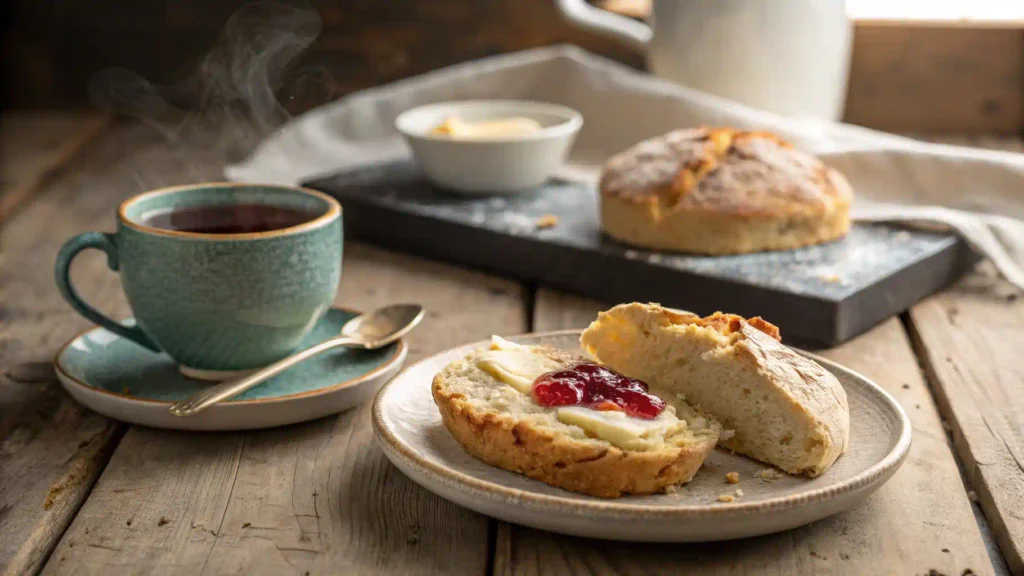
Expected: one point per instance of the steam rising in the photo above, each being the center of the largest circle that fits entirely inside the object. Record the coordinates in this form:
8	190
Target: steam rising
230	102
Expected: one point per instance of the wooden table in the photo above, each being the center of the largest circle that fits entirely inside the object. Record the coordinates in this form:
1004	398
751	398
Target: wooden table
83	494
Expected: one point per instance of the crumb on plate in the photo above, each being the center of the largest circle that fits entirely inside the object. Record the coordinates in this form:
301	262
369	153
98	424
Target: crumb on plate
726	498
732	477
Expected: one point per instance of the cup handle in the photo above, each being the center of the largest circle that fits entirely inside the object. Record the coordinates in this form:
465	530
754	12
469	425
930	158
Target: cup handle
106	243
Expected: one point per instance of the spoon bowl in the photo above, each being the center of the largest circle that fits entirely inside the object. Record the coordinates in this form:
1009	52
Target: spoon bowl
382	326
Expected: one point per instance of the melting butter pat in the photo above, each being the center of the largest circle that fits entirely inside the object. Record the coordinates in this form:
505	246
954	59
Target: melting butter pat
498	128
514	364
619	429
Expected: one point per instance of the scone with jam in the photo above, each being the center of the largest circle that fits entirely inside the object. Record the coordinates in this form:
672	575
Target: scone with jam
566	421
722	191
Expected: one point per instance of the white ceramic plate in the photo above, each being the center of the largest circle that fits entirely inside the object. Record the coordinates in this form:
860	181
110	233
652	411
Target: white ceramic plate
409	428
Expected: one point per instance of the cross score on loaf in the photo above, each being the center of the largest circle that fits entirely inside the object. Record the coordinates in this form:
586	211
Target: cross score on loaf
722	191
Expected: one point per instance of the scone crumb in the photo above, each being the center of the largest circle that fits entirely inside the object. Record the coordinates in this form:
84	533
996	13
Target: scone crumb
732	477
739	492
726	498
769	475
546	221
726	434
671	489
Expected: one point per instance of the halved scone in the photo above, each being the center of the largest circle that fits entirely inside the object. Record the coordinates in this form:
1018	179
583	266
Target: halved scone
785	409
486	403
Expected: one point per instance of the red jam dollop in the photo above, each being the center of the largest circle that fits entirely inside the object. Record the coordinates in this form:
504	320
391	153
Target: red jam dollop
597	387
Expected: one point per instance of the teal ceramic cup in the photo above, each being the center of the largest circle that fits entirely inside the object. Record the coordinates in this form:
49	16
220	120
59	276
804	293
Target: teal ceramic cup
218	303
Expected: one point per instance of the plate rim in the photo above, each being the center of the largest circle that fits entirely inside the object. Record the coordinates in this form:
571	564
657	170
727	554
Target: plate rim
396	358
880	470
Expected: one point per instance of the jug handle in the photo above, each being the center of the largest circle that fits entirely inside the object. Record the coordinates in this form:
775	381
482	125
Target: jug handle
636	35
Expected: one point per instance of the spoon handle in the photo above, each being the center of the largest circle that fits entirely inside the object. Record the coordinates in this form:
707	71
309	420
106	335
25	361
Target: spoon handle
220	392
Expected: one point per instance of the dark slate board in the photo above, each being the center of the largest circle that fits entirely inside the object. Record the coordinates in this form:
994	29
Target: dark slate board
818	295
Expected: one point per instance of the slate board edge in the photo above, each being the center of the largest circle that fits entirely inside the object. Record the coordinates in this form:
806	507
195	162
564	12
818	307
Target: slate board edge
535	261
805	318
905	287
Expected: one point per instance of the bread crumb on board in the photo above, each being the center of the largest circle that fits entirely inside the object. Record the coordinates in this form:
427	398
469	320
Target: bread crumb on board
739	492
546	221
726	498
732	477
769	475
671	489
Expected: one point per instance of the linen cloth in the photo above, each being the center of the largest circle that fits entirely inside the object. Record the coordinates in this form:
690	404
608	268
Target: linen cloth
977	193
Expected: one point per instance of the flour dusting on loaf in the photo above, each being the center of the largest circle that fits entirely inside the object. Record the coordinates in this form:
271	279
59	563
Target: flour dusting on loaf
722	191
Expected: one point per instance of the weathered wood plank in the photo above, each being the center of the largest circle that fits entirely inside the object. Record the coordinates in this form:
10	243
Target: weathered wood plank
318	497
920	520
35	143
968	339
896	69
969	342
51	450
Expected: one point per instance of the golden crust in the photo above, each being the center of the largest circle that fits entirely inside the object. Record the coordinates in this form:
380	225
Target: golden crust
728	324
593	468
722	191
811	389
810	392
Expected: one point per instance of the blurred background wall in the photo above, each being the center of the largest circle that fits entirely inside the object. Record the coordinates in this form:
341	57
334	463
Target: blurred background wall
963	78
53	47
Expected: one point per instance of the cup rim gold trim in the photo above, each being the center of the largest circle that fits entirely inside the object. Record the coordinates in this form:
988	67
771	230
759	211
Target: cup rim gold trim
333	212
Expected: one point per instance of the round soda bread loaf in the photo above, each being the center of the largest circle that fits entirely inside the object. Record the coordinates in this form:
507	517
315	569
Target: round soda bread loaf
722	191
504	427
784	408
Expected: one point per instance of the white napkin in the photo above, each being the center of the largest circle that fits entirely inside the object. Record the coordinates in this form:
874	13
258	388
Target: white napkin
978	193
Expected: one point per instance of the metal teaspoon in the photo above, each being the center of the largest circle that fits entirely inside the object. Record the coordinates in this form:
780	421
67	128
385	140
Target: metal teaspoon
367	331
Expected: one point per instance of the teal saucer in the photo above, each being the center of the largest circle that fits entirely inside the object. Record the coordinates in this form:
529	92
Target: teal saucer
125	381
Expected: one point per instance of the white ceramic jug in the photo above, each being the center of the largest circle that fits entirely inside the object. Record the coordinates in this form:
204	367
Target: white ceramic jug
787	56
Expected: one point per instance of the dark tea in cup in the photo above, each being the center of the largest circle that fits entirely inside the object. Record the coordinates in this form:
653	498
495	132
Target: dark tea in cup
229	219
